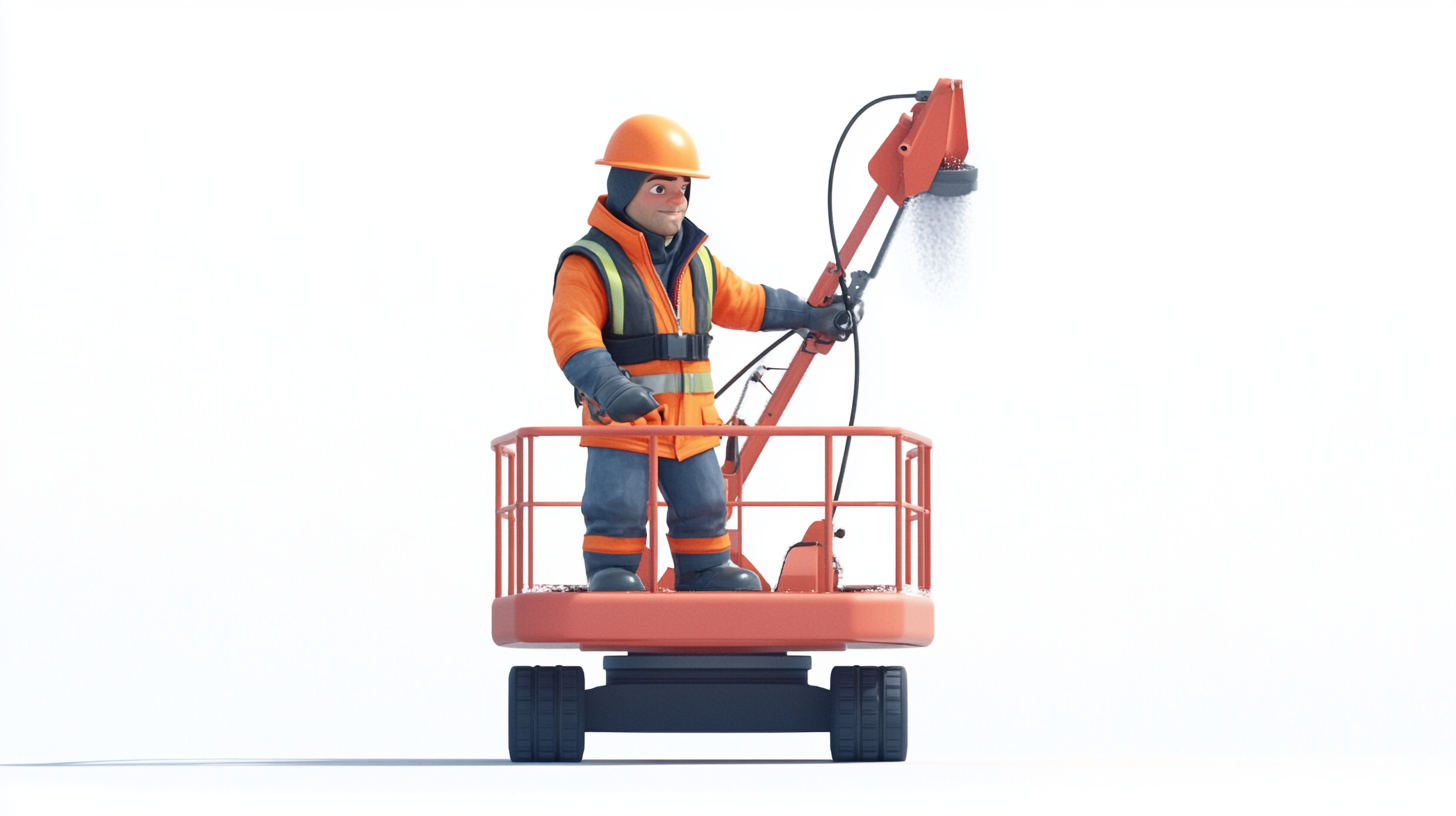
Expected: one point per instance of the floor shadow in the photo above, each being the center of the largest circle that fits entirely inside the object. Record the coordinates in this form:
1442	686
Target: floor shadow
213	763
386	763
706	762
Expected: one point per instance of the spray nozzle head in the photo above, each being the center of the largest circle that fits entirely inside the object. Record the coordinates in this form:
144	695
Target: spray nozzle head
951	181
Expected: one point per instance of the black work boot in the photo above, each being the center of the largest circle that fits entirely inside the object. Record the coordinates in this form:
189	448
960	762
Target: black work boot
712	572
610	572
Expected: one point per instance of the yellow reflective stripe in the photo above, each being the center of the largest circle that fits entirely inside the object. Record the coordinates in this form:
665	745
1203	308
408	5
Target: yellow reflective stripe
698	383
685	383
614	283
707	261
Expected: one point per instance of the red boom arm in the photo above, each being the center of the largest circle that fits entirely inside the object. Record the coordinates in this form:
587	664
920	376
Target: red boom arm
931	135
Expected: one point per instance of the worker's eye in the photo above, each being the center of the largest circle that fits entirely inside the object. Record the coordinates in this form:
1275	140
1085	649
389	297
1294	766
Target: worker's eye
657	189
684	190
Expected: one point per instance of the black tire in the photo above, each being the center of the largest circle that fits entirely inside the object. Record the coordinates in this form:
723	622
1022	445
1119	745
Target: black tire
869	721
547	718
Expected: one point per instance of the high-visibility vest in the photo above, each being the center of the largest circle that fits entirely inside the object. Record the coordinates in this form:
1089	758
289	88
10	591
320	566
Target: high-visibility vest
631	333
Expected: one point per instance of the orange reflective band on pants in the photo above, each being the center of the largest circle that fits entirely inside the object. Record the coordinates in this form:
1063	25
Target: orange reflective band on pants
699	545
616	546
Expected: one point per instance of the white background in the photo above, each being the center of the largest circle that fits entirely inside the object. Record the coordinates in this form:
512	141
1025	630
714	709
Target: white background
272	275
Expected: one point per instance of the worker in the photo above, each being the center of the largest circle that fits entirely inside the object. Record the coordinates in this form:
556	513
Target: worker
632	307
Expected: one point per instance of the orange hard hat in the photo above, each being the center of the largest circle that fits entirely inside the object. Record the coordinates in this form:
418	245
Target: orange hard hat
653	143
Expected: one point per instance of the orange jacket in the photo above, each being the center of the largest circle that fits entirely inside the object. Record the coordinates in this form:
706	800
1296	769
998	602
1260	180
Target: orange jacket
579	312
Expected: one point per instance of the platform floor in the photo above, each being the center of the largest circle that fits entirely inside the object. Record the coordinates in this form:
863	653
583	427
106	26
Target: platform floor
717	622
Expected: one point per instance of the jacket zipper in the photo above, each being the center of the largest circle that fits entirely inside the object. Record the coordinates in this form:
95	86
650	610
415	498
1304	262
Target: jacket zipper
676	296
672	299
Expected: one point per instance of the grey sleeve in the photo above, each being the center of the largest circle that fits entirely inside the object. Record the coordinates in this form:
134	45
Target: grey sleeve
782	309
589	368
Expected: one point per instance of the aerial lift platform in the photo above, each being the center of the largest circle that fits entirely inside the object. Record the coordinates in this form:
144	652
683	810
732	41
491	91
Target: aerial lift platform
719	661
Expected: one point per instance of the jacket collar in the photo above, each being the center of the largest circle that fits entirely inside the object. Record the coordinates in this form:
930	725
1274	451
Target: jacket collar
634	243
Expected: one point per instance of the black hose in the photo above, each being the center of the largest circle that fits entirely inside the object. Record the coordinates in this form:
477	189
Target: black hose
844	291
762	354
832	162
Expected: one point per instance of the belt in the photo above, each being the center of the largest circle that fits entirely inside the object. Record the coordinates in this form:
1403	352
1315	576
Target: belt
633	350
690	383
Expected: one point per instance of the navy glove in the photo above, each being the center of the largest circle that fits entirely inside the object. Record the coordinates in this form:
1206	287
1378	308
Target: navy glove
609	395
833	320
621	400
785	310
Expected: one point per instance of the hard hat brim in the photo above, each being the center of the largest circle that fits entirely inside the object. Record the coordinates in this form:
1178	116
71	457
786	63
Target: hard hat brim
654	168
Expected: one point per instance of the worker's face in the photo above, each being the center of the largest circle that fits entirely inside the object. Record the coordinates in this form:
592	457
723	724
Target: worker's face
660	204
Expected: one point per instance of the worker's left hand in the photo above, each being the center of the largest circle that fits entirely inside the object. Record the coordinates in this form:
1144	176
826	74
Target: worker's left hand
834	320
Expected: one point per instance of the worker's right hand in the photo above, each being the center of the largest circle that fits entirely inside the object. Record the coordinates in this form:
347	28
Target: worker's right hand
827	320
624	401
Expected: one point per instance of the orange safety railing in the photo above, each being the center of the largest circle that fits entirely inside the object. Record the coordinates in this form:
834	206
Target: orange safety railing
515	498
